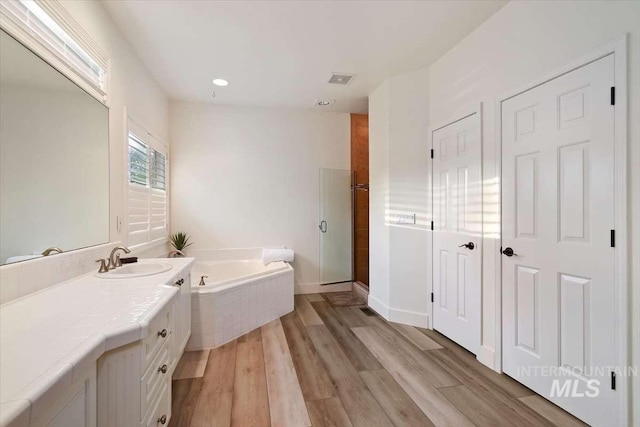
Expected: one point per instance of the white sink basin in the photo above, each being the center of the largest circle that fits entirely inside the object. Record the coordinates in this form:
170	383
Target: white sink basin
129	271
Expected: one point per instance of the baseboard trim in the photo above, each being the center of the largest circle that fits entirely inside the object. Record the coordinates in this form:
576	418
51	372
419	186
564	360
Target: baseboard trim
406	317
359	289
316	288
378	307
486	356
421	320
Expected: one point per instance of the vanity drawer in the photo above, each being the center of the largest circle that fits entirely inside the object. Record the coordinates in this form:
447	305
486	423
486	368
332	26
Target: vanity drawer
159	334
156	376
160	412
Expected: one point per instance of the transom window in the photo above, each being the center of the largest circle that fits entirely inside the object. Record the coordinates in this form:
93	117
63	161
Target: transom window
48	29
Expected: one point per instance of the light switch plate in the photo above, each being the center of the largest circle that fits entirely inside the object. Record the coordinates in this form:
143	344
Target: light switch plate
406	219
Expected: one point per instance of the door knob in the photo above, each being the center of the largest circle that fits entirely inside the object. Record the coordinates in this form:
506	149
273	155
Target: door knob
323	226
509	252
469	246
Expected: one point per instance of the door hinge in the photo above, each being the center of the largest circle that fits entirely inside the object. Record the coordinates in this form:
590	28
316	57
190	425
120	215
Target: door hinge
432	153
613	95
431	296
613	238
431	225
613	380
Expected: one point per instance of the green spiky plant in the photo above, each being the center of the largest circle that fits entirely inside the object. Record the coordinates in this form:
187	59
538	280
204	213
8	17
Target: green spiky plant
180	241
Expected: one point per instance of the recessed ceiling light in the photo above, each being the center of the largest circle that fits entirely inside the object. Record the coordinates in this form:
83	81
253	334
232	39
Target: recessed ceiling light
324	102
220	82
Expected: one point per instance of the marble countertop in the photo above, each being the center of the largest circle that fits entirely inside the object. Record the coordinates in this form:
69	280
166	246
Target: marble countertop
50	337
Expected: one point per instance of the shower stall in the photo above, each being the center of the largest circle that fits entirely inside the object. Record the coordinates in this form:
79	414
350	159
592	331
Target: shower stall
336	226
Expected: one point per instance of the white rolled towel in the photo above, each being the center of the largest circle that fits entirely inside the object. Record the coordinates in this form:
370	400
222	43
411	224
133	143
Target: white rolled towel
270	255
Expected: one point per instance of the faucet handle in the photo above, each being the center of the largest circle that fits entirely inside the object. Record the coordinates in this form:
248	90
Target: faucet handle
202	283
118	262
103	266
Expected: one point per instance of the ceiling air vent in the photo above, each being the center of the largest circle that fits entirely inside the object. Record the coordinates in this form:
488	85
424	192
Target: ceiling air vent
341	78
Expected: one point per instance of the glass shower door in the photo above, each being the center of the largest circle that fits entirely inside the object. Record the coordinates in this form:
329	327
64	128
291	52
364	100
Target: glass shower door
335	228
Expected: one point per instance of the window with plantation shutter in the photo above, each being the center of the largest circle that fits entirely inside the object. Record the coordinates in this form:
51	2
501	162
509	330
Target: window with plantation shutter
147	187
158	212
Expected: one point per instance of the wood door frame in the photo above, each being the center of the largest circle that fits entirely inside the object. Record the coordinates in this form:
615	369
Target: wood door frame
460	115
618	47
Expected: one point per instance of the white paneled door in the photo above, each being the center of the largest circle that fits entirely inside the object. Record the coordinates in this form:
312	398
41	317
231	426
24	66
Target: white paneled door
457	213
559	328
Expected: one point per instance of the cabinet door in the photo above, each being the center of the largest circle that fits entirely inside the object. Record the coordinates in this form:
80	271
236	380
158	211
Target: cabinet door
75	413
78	408
119	373
176	335
185	312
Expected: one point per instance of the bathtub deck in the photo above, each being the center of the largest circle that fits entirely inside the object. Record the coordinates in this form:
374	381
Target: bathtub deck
326	365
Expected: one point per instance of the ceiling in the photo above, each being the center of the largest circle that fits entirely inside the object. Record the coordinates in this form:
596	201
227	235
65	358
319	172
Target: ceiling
282	53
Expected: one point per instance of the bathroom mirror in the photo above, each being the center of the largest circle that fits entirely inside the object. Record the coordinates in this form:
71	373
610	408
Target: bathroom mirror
54	159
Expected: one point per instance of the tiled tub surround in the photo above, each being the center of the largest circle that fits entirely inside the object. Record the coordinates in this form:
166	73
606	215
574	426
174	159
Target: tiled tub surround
226	309
50	337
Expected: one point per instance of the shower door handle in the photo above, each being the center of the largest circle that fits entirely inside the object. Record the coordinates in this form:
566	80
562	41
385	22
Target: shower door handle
323	226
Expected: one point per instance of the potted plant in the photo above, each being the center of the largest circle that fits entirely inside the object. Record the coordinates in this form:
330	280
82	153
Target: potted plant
180	241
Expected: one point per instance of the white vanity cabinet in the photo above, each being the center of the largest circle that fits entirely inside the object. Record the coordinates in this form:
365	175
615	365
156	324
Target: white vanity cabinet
118	373
134	381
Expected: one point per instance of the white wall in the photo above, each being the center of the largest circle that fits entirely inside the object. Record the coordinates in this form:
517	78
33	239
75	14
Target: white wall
379	118
131	86
522	41
398	163
409	183
249	177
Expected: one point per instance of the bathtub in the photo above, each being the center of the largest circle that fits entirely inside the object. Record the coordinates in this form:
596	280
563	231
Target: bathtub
240	294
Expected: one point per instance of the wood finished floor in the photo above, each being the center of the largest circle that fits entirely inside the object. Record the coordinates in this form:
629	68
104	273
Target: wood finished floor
323	365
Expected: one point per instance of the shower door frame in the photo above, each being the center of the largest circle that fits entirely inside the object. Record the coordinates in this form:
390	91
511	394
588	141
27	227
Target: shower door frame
352	222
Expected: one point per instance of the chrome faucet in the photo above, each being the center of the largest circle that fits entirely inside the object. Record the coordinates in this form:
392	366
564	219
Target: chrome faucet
52	250
175	254
114	260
